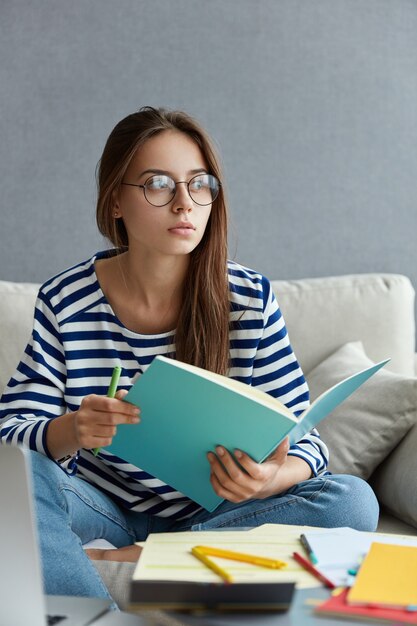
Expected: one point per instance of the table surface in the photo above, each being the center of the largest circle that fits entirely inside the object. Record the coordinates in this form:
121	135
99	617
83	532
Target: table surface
301	613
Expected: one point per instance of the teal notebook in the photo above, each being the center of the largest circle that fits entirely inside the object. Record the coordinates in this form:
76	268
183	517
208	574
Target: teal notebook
187	411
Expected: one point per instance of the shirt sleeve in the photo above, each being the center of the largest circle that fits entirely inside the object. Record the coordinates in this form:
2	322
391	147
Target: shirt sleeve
277	371
35	393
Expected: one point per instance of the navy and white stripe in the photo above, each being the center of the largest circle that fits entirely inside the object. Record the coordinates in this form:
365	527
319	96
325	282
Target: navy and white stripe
76	342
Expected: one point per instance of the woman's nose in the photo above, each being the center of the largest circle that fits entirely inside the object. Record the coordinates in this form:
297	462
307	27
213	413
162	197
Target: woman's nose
182	200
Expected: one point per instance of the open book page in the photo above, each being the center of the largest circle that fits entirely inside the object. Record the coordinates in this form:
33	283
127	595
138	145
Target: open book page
167	556
330	399
235	385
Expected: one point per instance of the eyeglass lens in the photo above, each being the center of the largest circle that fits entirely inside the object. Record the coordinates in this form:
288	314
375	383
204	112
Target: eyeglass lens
160	189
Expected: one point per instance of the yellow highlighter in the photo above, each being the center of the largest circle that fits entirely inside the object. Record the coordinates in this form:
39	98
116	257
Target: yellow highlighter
240	556
212	565
204	552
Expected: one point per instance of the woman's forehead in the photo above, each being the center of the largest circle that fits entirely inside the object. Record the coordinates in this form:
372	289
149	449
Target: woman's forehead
171	151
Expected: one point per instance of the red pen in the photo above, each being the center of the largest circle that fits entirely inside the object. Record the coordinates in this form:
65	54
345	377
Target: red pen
310	568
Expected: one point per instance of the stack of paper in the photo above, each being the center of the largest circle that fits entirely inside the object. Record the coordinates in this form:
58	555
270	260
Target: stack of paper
339	550
385	587
338	606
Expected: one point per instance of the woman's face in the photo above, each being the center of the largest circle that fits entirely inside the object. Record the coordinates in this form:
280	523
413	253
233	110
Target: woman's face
178	227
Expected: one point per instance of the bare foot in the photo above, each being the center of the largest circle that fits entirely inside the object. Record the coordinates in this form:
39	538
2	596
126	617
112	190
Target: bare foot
129	554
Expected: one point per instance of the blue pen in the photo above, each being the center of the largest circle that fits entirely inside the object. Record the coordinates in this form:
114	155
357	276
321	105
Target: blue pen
308	549
354	570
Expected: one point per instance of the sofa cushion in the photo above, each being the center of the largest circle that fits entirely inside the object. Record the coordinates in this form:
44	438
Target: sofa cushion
363	430
325	313
117	576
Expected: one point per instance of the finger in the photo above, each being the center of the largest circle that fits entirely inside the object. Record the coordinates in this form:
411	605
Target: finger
104	410
122	393
114	419
95	435
109	405
251	467
104	431
229	464
223	492
223	477
94	442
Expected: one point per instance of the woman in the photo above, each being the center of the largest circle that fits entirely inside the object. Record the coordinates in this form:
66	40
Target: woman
165	288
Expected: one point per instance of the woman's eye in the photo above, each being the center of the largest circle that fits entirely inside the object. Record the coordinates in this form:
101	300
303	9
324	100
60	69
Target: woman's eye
157	183
198	184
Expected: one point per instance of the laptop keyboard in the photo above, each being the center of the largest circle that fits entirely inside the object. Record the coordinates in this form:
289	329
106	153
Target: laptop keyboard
54	619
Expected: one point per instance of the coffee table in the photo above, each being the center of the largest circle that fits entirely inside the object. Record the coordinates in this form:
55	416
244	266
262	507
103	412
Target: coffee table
301	613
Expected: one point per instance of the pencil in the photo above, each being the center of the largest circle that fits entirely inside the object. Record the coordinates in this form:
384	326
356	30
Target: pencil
315	572
211	565
240	556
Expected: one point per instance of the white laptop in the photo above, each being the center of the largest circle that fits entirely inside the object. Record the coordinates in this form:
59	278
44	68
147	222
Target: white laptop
22	601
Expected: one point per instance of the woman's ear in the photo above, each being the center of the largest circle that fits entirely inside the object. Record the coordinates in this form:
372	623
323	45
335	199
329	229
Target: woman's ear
115	206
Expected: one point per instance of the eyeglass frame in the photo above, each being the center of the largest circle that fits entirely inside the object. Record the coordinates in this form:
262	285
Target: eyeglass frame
178	182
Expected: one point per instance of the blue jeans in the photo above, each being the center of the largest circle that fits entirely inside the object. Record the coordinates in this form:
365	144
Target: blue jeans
71	512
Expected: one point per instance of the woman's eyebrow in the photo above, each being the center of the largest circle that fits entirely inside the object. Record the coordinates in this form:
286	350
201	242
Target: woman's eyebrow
199	170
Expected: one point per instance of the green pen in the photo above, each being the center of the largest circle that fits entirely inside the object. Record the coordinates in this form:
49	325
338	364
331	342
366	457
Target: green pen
115	377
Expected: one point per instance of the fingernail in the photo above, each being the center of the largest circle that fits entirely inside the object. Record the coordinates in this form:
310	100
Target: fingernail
238	454
210	457
135	420
220	451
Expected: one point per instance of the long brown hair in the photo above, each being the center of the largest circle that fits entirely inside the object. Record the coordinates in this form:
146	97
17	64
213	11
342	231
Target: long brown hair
202	334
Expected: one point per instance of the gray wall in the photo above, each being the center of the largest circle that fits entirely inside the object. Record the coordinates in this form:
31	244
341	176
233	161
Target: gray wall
313	104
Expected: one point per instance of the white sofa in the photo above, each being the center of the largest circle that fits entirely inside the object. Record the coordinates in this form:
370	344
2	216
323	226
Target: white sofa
322	315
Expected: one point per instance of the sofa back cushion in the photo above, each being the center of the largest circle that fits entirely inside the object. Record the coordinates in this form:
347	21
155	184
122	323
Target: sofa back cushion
323	314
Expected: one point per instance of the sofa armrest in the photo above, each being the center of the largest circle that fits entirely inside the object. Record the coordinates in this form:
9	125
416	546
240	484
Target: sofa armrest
394	480
17	301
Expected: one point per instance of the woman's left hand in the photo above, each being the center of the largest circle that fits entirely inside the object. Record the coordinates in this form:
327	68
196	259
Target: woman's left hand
240	478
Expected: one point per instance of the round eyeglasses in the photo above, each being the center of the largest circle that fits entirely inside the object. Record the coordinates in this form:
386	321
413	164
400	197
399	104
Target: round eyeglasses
160	189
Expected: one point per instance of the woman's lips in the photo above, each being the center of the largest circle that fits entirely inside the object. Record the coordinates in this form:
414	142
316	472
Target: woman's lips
182	229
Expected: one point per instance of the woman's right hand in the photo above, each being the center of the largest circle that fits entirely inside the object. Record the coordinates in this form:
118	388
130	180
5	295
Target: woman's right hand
93	425
96	420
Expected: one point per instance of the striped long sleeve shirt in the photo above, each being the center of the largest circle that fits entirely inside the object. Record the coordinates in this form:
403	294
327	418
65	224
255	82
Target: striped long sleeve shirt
77	340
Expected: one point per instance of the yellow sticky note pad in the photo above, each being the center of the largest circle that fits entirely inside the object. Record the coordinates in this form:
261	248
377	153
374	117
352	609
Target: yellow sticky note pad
387	577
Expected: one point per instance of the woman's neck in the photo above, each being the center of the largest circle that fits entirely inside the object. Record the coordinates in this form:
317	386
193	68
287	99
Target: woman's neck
146	293
150	279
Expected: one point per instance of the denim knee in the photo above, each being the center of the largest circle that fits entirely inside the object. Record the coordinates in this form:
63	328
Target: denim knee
46	474
354	501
